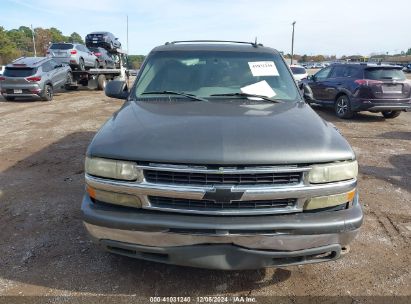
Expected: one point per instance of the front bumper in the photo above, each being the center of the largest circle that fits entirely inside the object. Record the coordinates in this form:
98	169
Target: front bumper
379	105
235	242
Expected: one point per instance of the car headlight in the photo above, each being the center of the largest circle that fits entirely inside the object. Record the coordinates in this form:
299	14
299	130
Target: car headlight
115	169
326	173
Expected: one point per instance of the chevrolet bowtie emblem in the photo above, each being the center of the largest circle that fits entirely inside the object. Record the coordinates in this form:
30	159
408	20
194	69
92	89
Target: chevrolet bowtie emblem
223	195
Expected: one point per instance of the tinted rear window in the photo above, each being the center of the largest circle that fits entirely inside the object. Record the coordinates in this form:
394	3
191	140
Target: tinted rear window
19	72
386	73
297	70
61	46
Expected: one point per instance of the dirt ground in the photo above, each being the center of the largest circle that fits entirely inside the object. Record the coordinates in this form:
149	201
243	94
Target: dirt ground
44	249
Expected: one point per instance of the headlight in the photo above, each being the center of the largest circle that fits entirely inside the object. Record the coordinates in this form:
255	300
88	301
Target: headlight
330	200
333	172
116	169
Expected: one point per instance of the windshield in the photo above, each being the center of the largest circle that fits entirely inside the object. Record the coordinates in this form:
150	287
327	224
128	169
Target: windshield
61	46
19	72
207	73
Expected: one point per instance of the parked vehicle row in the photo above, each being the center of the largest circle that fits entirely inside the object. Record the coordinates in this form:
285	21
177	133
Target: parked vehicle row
351	88
315	65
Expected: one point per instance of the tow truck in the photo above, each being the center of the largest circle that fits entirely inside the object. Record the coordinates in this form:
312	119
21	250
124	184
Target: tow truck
98	78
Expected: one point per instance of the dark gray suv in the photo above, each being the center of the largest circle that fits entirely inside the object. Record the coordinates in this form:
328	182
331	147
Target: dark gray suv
103	39
216	161
34	77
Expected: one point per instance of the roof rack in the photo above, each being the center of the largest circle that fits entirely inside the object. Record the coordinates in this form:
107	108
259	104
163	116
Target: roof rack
18	59
254	44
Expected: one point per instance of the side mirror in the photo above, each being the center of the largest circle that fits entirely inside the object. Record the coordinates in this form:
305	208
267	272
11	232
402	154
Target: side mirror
117	89
307	92
58	66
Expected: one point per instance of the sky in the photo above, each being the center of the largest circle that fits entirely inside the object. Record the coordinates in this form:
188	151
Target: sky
329	27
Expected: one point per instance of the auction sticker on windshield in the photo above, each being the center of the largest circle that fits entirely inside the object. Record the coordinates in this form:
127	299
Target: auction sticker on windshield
263	68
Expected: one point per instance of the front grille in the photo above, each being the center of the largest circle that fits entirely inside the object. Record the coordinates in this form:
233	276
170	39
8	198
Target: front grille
209	179
208	205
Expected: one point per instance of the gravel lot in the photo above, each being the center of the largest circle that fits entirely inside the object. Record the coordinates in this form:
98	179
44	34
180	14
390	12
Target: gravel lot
44	249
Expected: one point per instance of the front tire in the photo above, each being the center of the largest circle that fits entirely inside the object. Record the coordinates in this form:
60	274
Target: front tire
391	114
48	93
342	107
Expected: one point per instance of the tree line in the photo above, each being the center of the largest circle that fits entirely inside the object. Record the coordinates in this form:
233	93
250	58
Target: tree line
15	43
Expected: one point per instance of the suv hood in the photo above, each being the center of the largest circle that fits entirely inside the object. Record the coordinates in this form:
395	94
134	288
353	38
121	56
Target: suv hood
219	132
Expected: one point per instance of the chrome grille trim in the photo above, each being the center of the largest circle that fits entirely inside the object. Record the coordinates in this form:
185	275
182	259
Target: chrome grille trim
233	208
224	170
200	179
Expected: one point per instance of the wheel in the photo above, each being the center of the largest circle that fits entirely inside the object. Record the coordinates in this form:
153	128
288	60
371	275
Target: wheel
342	107
47	94
101	82
81	65
9	98
69	81
391	114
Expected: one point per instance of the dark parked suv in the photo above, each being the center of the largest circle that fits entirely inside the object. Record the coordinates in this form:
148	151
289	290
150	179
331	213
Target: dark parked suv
216	161
103	39
353	88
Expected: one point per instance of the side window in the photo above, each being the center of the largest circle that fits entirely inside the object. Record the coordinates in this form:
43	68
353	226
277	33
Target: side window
79	48
338	71
323	74
47	67
354	72
53	63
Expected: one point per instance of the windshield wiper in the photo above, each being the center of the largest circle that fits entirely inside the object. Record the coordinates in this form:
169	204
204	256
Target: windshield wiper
192	96
249	95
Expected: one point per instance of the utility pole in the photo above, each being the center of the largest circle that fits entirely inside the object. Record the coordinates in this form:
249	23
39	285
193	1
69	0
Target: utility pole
127	34
34	42
292	44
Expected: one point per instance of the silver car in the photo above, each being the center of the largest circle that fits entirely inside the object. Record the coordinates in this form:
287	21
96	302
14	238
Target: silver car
34	77
78	56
